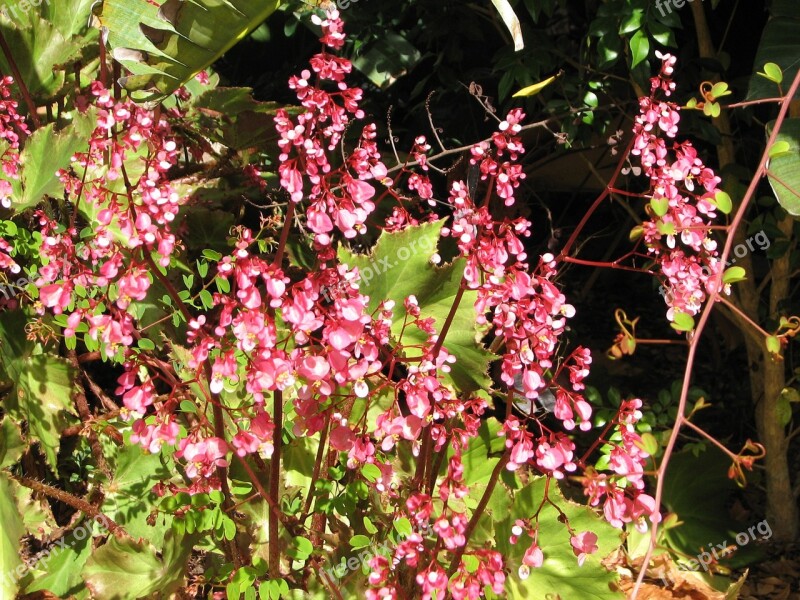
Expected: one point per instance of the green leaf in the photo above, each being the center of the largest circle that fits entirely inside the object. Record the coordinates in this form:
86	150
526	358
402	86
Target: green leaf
723	202
61	570
123	569
359	541
660	206
640	47
371	472
165	47
783	411
129	496
559	576
369	526
10	533
682	321
734	274
778	148
632	22
41	52
772	72
791	394
649	444
701	504
719	90
399	266
302	548
779	46
11	444
43	385
482	454
773	345
784	167
403	527
46	151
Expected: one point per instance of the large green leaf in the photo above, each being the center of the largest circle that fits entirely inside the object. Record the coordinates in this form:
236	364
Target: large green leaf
164	46
559	576
61	572
46	39
129	495
11	444
784	167
126	569
10	533
780	44
399	266
45	152
701	504
43	385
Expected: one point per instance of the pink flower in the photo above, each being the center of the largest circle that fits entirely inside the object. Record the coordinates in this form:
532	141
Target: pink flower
583	544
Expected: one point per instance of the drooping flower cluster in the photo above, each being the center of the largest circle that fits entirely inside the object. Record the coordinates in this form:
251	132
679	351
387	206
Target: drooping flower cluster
12	124
622	489
683	200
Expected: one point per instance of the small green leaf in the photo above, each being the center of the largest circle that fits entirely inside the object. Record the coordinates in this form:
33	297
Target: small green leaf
791	394
146	344
773	345
723	202
720	89
403	527
779	147
665	228
649	444
783	410
359	541
772	72
371	472
206	298
660	206
302	548
682	321
471	562
369	526
734	274
640	47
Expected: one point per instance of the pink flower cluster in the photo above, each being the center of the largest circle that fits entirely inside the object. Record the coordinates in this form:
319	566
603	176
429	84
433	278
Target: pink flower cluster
622	490
12	124
682	194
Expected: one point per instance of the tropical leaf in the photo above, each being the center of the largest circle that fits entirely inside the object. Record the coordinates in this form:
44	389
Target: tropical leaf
126	569
780	44
560	576
399	266
784	166
10	533
165	43
43	385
